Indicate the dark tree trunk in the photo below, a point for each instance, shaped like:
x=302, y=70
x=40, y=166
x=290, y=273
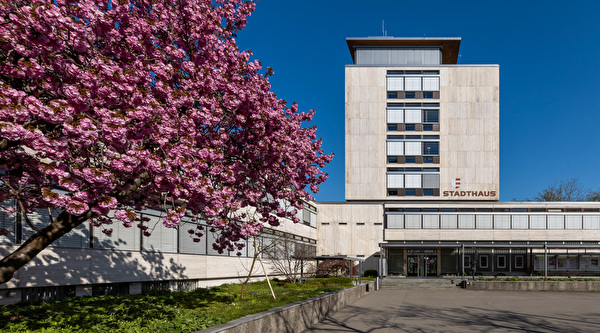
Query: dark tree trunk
x=63, y=223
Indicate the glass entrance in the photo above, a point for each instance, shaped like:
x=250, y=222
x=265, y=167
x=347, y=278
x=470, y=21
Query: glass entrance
x=422, y=265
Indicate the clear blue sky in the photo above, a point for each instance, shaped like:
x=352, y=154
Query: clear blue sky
x=549, y=57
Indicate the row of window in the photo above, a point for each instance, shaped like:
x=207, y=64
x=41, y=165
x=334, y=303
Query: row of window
x=413, y=116
x=413, y=95
x=413, y=192
x=518, y=261
x=413, y=148
x=413, y=160
x=413, y=181
x=413, y=83
x=492, y=221
x=413, y=127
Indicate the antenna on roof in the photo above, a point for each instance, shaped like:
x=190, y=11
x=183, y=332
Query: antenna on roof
x=383, y=31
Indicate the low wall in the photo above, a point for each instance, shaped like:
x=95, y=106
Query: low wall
x=297, y=316
x=535, y=285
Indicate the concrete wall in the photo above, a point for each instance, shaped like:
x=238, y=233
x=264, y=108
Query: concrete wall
x=469, y=132
x=359, y=236
x=294, y=317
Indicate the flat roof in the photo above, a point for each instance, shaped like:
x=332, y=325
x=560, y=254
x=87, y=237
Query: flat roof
x=450, y=45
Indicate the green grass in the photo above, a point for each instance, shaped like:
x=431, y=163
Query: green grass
x=159, y=311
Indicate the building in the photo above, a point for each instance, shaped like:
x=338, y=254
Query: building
x=422, y=173
x=422, y=190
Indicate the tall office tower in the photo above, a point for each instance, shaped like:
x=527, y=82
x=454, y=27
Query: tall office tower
x=419, y=126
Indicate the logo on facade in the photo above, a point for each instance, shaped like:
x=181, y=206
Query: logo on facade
x=456, y=182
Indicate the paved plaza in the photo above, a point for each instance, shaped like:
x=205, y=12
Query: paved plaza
x=460, y=310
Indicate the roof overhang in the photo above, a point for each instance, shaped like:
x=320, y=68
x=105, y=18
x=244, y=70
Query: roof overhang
x=450, y=45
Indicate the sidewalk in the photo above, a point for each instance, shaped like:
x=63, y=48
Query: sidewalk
x=467, y=311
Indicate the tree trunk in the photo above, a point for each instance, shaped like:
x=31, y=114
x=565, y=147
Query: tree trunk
x=63, y=223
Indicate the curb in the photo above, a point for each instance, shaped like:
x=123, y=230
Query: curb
x=294, y=317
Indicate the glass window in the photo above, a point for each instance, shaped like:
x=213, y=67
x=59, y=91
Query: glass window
x=395, y=181
x=431, y=116
x=412, y=181
x=392, y=192
x=501, y=221
x=426, y=94
x=410, y=193
x=410, y=160
x=431, y=221
x=412, y=221
x=556, y=222
x=392, y=127
x=395, y=83
x=427, y=128
x=427, y=159
x=395, y=148
x=466, y=221
x=393, y=94
x=392, y=159
x=431, y=148
x=395, y=116
x=449, y=221
x=431, y=83
x=412, y=83
x=409, y=127
x=427, y=192
x=484, y=221
x=537, y=221
x=412, y=116
x=483, y=261
x=431, y=181
x=409, y=94
x=412, y=148
x=395, y=221
x=520, y=222
x=501, y=261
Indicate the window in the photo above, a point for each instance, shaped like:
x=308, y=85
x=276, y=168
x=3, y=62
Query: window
x=519, y=262
x=431, y=181
x=409, y=127
x=412, y=83
x=431, y=83
x=409, y=94
x=393, y=94
x=395, y=116
x=395, y=221
x=501, y=261
x=410, y=160
x=413, y=116
x=431, y=148
x=395, y=148
x=426, y=94
x=431, y=116
x=427, y=159
x=427, y=192
x=426, y=128
x=395, y=181
x=410, y=193
x=412, y=181
x=412, y=148
x=483, y=261
x=392, y=159
x=392, y=193
x=395, y=83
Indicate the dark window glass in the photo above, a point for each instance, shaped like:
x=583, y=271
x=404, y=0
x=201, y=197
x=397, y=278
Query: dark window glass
x=410, y=193
x=409, y=94
x=392, y=159
x=413, y=72
x=413, y=209
x=393, y=192
x=395, y=105
x=413, y=169
x=431, y=105
x=426, y=94
x=393, y=94
x=430, y=72
x=431, y=116
x=395, y=169
x=427, y=192
x=398, y=72
x=431, y=169
x=409, y=127
x=409, y=159
x=429, y=209
x=427, y=127
x=418, y=137
x=427, y=159
x=413, y=105
x=397, y=137
x=448, y=209
x=392, y=127
x=431, y=136
x=431, y=148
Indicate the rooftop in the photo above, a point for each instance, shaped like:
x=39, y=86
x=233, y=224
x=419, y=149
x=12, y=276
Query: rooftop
x=450, y=45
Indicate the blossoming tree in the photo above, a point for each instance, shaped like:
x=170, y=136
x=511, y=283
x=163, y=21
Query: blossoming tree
x=120, y=106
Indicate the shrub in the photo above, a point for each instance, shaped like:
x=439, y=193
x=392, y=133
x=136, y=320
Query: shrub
x=370, y=272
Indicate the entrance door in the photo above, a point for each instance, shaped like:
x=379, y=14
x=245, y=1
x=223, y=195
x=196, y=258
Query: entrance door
x=422, y=265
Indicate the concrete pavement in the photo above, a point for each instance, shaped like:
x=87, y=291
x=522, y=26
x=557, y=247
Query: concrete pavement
x=459, y=310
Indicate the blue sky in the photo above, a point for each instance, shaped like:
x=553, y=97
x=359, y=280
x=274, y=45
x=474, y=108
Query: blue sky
x=549, y=57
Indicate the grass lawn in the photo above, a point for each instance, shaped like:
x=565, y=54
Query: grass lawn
x=159, y=311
